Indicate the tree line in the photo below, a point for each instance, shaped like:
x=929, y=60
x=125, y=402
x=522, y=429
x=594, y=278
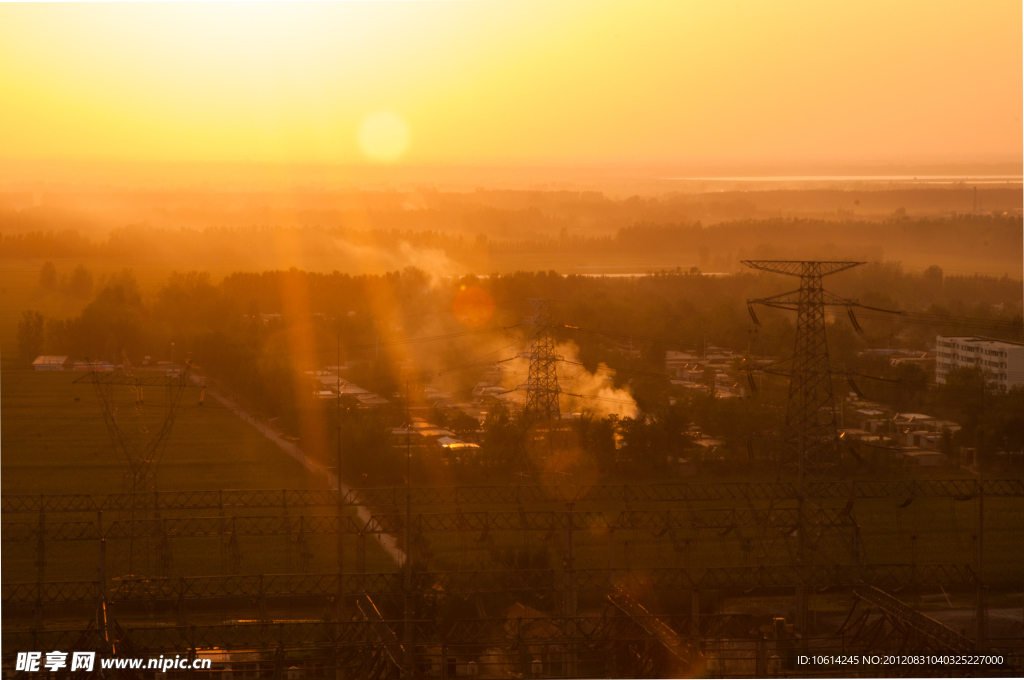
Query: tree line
x=722, y=244
x=257, y=333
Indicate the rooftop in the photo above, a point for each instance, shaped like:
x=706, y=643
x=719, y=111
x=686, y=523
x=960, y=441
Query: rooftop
x=50, y=360
x=980, y=338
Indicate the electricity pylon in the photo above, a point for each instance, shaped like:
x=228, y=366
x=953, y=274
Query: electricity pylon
x=140, y=448
x=542, y=382
x=810, y=432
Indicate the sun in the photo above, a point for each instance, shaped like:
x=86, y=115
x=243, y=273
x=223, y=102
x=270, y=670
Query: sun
x=383, y=136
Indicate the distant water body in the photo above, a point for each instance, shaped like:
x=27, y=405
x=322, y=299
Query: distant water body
x=900, y=179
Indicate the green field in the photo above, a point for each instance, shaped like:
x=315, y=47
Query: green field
x=54, y=441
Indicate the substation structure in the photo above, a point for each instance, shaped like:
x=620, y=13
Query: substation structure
x=466, y=605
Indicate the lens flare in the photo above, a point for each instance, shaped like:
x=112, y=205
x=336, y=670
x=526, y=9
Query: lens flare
x=383, y=137
x=473, y=306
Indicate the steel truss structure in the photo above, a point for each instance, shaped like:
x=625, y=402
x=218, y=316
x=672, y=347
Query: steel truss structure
x=228, y=499
x=467, y=583
x=810, y=431
x=604, y=643
x=141, y=458
x=622, y=641
x=139, y=448
x=783, y=519
x=934, y=632
x=542, y=380
x=625, y=640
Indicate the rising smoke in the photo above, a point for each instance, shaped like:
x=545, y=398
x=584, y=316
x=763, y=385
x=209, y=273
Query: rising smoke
x=582, y=391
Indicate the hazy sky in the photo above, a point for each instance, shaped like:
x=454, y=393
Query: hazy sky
x=493, y=82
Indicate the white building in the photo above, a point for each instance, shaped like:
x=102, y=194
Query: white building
x=49, y=362
x=1001, y=360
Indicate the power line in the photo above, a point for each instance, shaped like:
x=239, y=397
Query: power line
x=396, y=343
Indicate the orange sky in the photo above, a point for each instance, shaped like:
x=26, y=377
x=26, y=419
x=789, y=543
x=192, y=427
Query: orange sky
x=494, y=82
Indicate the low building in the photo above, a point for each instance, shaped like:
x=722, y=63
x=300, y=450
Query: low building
x=1002, y=361
x=422, y=431
x=453, y=445
x=905, y=419
x=682, y=467
x=924, y=439
x=97, y=366
x=51, y=362
x=710, y=444
x=855, y=433
x=923, y=458
x=899, y=356
x=371, y=399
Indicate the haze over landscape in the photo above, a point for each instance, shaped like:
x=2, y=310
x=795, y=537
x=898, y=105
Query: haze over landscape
x=452, y=339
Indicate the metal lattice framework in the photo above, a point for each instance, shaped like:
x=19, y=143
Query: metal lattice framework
x=616, y=643
x=141, y=455
x=252, y=587
x=810, y=432
x=229, y=499
x=139, y=448
x=594, y=631
x=739, y=519
x=542, y=381
x=942, y=636
x=656, y=522
x=687, y=655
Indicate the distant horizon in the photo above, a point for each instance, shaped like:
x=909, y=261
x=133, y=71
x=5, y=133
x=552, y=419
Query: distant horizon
x=83, y=175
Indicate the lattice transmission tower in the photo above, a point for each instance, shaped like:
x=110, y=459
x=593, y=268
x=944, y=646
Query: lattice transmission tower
x=542, y=382
x=139, y=440
x=139, y=447
x=810, y=431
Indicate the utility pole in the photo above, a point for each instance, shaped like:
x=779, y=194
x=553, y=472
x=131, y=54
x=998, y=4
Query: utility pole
x=341, y=613
x=41, y=561
x=801, y=590
x=569, y=585
x=980, y=641
x=407, y=630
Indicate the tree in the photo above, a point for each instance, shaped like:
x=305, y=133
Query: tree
x=30, y=336
x=463, y=425
x=114, y=321
x=709, y=376
x=48, y=276
x=597, y=439
x=80, y=284
x=933, y=274
x=500, y=446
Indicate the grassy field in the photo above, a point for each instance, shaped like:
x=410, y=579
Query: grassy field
x=54, y=441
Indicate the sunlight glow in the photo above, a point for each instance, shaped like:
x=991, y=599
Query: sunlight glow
x=578, y=81
x=383, y=137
